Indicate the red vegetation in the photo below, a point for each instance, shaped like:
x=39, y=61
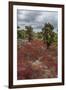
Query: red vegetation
x=35, y=61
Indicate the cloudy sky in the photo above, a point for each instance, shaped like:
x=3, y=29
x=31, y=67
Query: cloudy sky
x=37, y=19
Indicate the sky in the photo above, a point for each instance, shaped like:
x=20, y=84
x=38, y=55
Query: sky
x=37, y=19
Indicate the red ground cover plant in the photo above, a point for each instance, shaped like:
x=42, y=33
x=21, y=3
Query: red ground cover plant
x=35, y=61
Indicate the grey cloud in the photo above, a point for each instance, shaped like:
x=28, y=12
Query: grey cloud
x=36, y=19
